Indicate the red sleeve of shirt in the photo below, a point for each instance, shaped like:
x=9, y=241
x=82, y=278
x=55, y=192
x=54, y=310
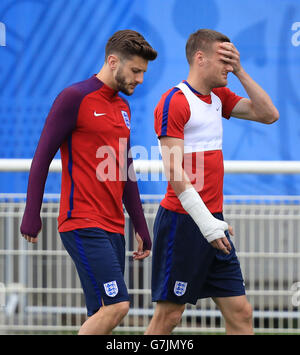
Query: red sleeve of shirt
x=229, y=100
x=171, y=114
x=59, y=124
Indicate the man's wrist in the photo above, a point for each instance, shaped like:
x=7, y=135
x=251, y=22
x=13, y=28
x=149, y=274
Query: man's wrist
x=239, y=73
x=210, y=227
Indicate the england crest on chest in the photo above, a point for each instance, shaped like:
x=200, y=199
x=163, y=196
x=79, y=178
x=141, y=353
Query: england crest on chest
x=126, y=118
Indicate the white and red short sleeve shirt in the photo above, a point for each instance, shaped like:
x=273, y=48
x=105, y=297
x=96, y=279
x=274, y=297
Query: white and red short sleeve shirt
x=184, y=113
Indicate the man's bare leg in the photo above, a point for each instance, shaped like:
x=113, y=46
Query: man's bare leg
x=165, y=318
x=237, y=313
x=105, y=320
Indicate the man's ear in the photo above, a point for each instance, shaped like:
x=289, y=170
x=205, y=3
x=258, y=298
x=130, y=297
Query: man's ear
x=199, y=58
x=112, y=61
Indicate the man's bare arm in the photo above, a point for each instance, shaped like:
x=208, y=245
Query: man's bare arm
x=259, y=107
x=212, y=228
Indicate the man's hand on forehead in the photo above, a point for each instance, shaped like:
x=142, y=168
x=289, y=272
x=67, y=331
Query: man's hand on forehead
x=230, y=55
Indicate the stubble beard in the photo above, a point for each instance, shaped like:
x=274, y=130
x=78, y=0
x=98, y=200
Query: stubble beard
x=122, y=84
x=219, y=83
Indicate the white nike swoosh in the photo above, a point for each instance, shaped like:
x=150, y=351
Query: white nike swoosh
x=98, y=114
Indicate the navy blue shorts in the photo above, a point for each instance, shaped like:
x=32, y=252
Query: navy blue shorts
x=99, y=257
x=185, y=267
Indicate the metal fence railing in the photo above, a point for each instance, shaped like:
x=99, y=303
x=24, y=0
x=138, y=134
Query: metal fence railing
x=40, y=290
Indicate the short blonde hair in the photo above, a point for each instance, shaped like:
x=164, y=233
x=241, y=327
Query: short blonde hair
x=202, y=40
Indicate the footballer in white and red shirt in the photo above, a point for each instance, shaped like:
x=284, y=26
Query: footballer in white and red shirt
x=185, y=266
x=202, y=141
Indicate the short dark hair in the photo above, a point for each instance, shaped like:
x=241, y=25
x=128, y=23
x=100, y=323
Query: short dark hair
x=127, y=43
x=202, y=40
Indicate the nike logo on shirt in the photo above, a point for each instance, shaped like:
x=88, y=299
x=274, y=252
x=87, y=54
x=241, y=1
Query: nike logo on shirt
x=98, y=114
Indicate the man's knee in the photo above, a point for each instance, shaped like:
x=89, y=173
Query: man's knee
x=247, y=312
x=174, y=317
x=170, y=313
x=242, y=313
x=121, y=309
x=116, y=311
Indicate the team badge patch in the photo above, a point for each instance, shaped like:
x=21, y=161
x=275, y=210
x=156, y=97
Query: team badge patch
x=126, y=119
x=111, y=288
x=180, y=288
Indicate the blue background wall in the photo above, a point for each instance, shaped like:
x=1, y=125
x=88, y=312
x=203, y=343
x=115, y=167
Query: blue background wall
x=53, y=43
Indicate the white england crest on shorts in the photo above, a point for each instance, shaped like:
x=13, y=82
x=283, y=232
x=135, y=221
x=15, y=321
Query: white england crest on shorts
x=180, y=288
x=111, y=288
x=126, y=119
